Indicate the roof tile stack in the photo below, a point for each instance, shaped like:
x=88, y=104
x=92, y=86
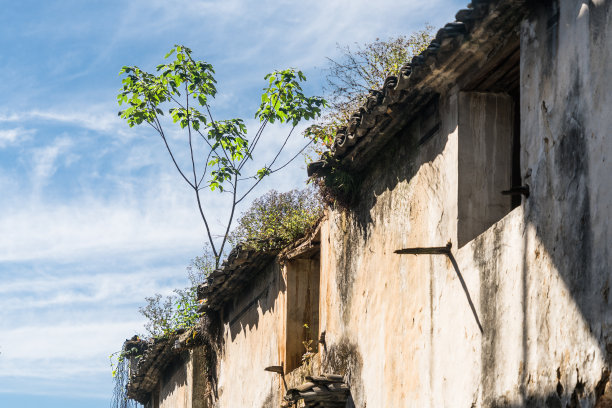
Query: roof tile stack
x=325, y=391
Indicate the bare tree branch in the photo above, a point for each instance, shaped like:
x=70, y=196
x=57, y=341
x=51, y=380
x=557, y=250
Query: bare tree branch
x=275, y=157
x=195, y=180
x=163, y=136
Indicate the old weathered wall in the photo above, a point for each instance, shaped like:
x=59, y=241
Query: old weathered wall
x=202, y=389
x=566, y=103
x=252, y=335
x=377, y=306
x=302, y=309
x=183, y=382
x=402, y=327
x=175, y=389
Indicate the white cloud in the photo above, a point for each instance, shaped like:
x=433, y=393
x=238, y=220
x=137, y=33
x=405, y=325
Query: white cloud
x=14, y=136
x=8, y=136
x=99, y=118
x=155, y=211
x=83, y=229
x=61, y=321
x=64, y=342
x=272, y=34
x=90, y=288
x=61, y=351
x=44, y=160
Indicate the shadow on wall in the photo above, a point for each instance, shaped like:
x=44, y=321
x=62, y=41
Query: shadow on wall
x=174, y=376
x=243, y=313
x=560, y=212
x=560, y=209
x=576, y=398
x=205, y=364
x=270, y=401
x=343, y=358
x=416, y=145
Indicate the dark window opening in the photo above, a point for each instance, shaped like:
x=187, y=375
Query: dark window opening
x=516, y=147
x=489, y=144
x=302, y=324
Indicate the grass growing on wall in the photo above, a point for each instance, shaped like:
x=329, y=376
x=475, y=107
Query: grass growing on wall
x=275, y=219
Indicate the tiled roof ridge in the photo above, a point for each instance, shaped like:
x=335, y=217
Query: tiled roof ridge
x=148, y=367
x=239, y=269
x=156, y=353
x=225, y=282
x=372, y=125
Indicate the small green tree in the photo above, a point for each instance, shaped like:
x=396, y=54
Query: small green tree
x=167, y=314
x=359, y=69
x=277, y=219
x=183, y=88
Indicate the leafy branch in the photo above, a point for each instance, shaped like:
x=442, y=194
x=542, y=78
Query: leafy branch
x=182, y=89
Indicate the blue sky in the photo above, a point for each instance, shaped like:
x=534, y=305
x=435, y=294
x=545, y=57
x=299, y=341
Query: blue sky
x=93, y=217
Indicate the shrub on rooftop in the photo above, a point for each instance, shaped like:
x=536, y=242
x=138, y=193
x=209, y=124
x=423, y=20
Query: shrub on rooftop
x=275, y=219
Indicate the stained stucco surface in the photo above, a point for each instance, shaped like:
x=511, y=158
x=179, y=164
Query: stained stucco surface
x=401, y=326
x=252, y=334
x=177, y=383
x=520, y=315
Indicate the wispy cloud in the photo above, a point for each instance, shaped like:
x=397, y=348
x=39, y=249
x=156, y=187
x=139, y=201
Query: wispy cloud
x=84, y=228
x=102, y=118
x=147, y=207
x=14, y=136
x=60, y=321
x=63, y=342
x=91, y=288
x=45, y=160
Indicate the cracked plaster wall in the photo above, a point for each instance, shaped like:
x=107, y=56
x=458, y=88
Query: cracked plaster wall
x=400, y=327
x=253, y=334
x=176, y=385
x=539, y=278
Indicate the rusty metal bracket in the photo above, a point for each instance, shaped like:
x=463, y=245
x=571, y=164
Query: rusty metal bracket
x=445, y=250
x=515, y=191
x=278, y=370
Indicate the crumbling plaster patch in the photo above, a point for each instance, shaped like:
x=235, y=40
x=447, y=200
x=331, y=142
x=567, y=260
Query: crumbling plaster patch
x=540, y=276
x=176, y=387
x=253, y=342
